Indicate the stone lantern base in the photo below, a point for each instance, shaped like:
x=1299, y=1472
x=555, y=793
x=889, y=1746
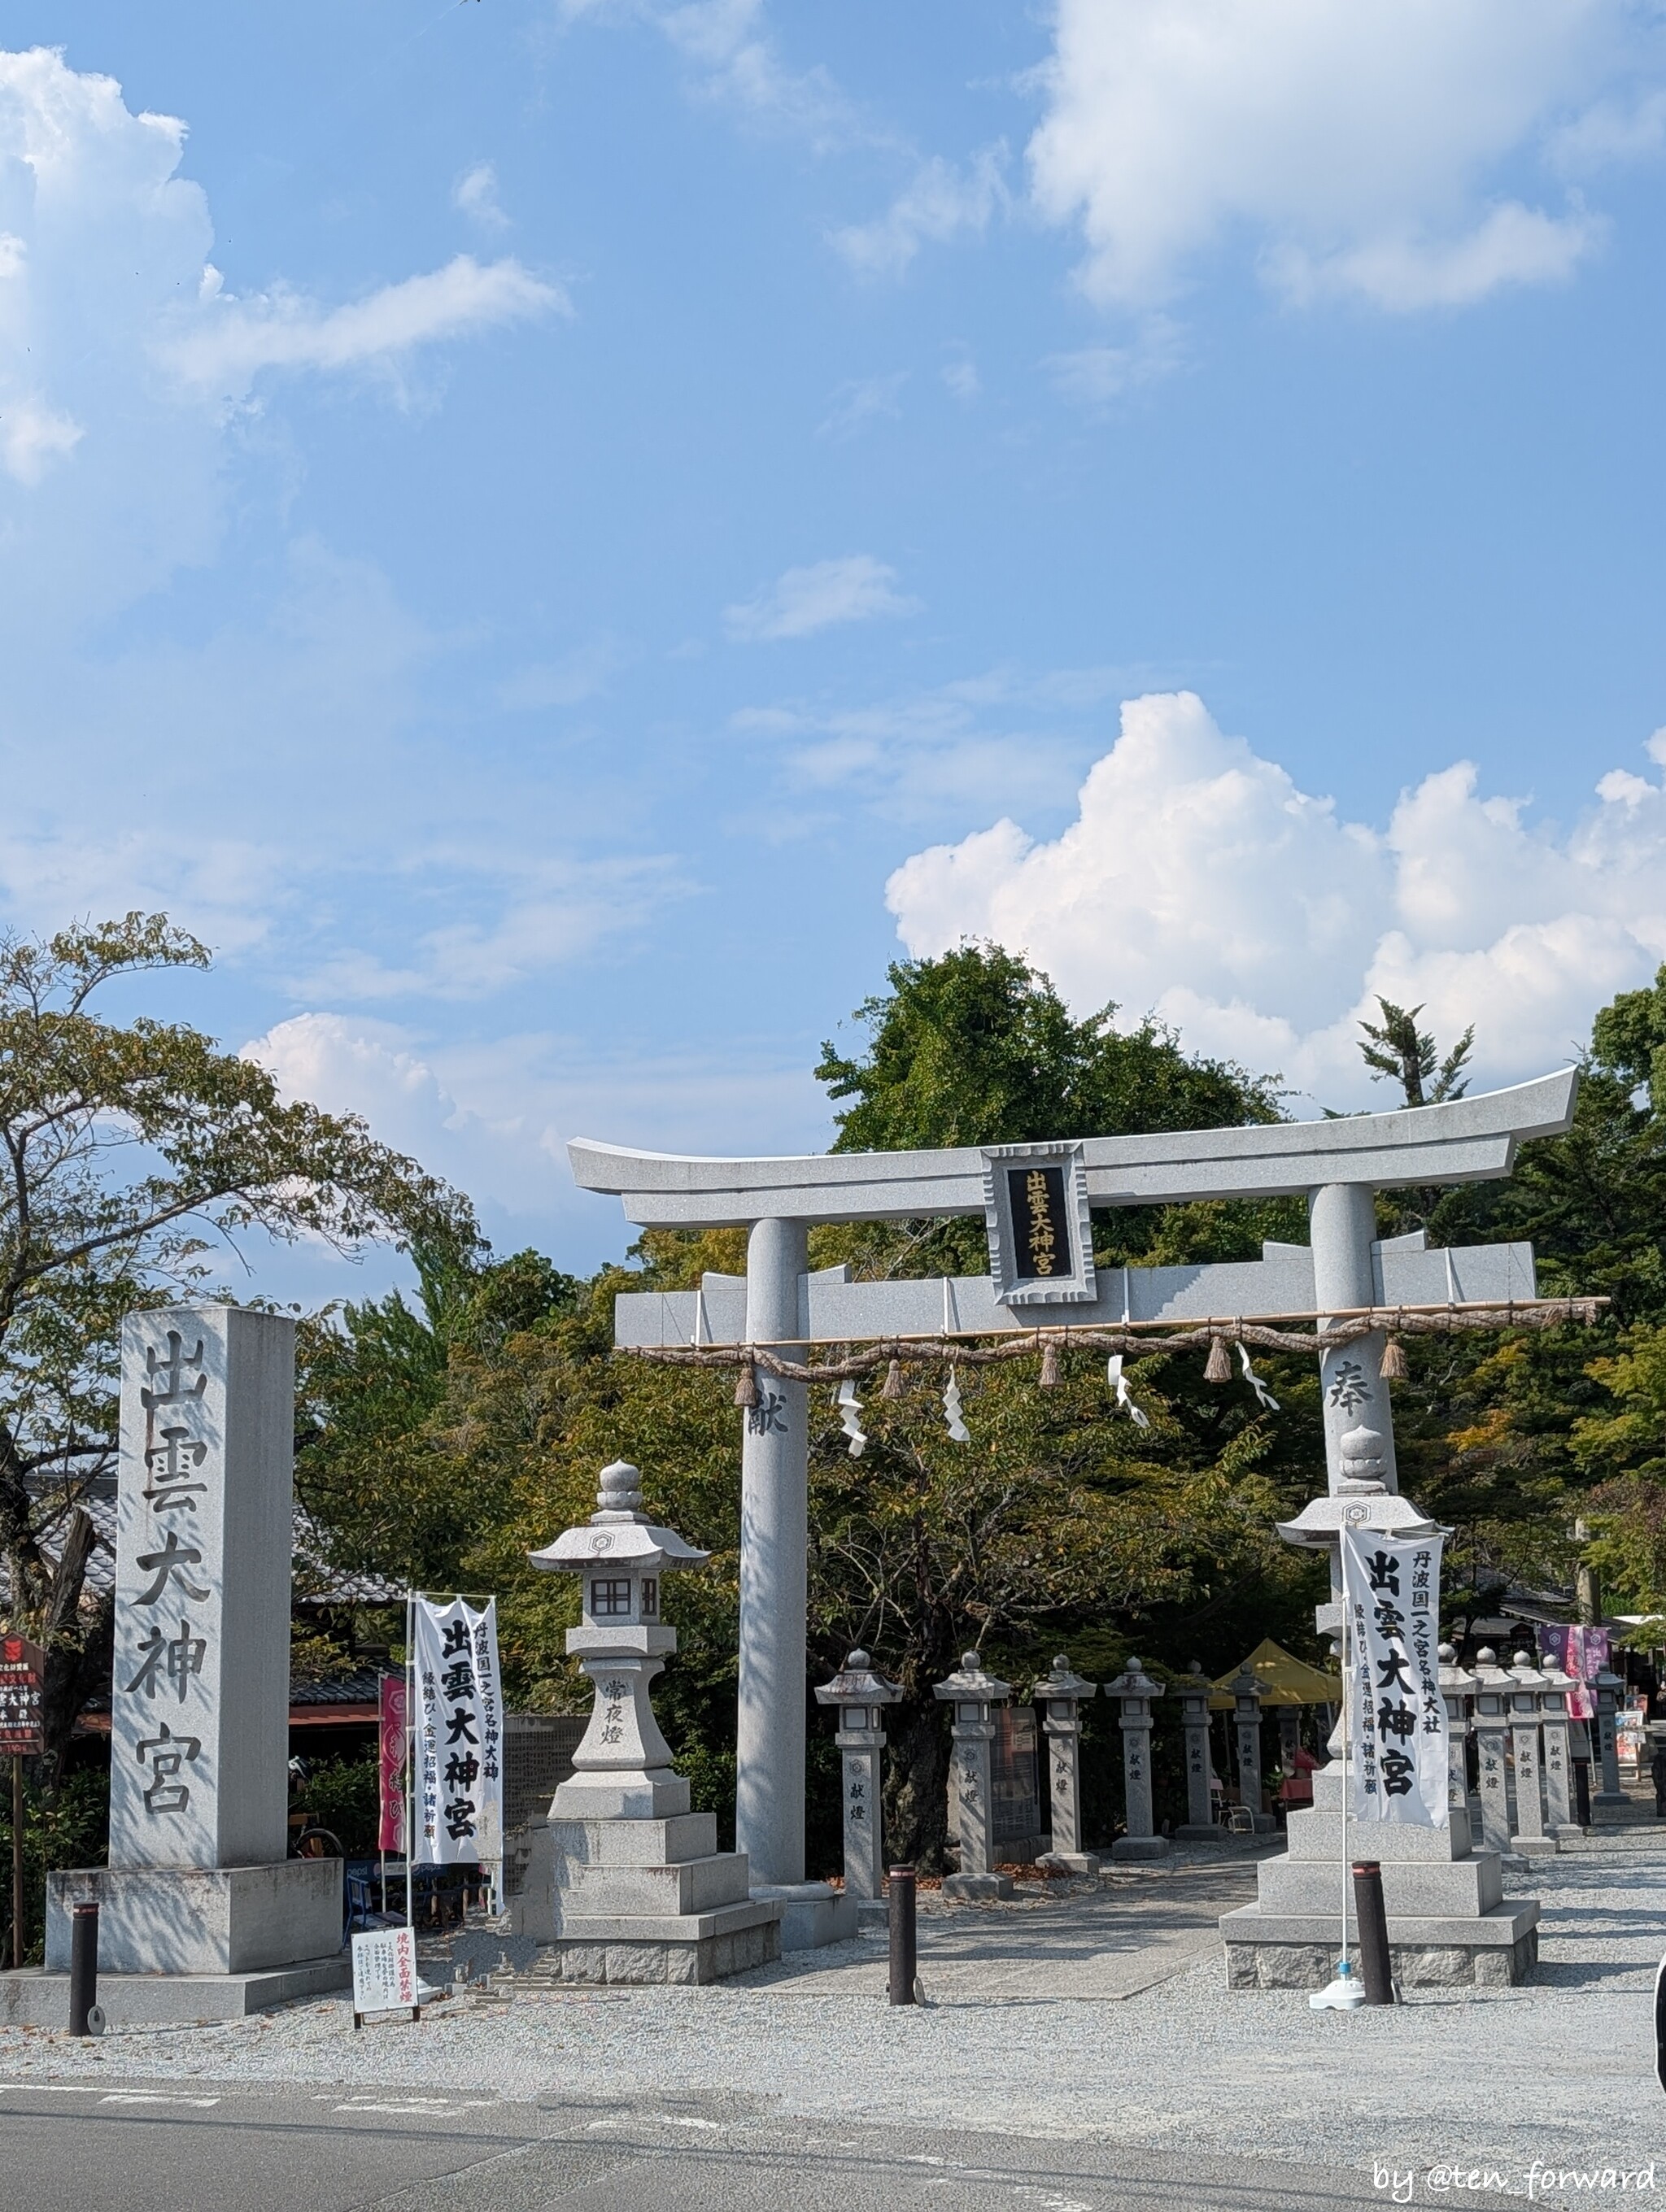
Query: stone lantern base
x=1449, y=1920
x=622, y=1898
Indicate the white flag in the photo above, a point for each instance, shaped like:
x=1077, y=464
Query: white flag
x=1397, y=1715
x=458, y=1734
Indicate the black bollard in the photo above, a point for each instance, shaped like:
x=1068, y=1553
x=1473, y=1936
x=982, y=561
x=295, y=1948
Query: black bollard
x=903, y=1972
x=1373, y=1925
x=83, y=1967
x=1582, y=1792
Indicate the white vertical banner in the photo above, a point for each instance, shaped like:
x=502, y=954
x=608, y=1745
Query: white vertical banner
x=1397, y=1715
x=458, y=1728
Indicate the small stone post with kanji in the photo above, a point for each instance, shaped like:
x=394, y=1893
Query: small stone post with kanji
x=1135, y=1689
x=1526, y=1683
x=974, y=1695
x=1455, y=1688
x=1245, y=1687
x=1555, y=1728
x=1493, y=1688
x=1193, y=1690
x=862, y=1696
x=1059, y=1695
x=1607, y=1688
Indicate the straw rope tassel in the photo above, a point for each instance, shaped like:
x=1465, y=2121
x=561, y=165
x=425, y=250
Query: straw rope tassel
x=745, y=1388
x=1050, y=1366
x=1220, y=1369
x=1392, y=1365
x=893, y=1386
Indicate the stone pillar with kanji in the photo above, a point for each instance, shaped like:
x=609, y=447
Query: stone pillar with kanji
x=1526, y=1683
x=1135, y=1689
x=1246, y=1687
x=1493, y=1687
x=1194, y=1691
x=860, y=1696
x=1606, y=1689
x=1059, y=1695
x=974, y=1696
x=1555, y=1730
x=1457, y=1686
x=198, y=1881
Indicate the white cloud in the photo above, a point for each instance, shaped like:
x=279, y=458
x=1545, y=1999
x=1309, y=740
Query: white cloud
x=576, y=677
x=733, y=59
x=475, y=195
x=235, y=339
x=939, y=203
x=1199, y=881
x=961, y=376
x=866, y=399
x=119, y=346
x=1356, y=144
x=803, y=600
x=1094, y=376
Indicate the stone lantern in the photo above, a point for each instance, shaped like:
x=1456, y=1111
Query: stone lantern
x=1455, y=1688
x=1245, y=1688
x=974, y=1695
x=1135, y=1689
x=1193, y=1690
x=1059, y=1695
x=1556, y=1727
x=624, y=1879
x=861, y=1697
x=1605, y=1691
x=1493, y=1687
x=1526, y=1683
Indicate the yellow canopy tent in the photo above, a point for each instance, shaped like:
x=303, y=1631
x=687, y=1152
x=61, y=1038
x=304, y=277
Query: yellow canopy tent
x=1285, y=1681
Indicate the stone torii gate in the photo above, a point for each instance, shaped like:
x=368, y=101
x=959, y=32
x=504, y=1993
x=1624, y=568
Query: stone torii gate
x=1035, y=1201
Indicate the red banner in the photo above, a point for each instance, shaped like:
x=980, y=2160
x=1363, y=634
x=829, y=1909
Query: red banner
x=393, y=1716
x=22, y=1666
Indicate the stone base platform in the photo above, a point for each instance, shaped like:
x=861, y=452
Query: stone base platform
x=1140, y=1847
x=172, y=1921
x=684, y=1949
x=975, y=1886
x=37, y=1998
x=1298, y=1951
x=812, y=1914
x=1057, y=1865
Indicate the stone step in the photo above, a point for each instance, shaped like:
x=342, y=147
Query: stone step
x=666, y=1928
x=1469, y=1886
x=693, y=1886
x=638, y=1843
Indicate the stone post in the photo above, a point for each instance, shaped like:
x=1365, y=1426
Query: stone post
x=198, y=1881
x=1135, y=1689
x=1193, y=1693
x=973, y=1694
x=1606, y=1690
x=1342, y=1225
x=1059, y=1695
x=1491, y=1724
x=1559, y=1756
x=1245, y=1687
x=1455, y=1688
x=1526, y=1683
x=861, y=1697
x=769, y=1729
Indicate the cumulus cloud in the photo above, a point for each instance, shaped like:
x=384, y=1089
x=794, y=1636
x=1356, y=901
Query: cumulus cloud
x=940, y=203
x=1198, y=881
x=804, y=600
x=1357, y=145
x=119, y=346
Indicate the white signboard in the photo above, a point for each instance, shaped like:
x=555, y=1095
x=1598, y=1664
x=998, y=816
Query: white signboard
x=459, y=1717
x=1397, y=1715
x=384, y=1970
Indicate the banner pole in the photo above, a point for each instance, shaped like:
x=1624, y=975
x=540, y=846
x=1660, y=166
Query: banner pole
x=1348, y=1694
x=411, y=1757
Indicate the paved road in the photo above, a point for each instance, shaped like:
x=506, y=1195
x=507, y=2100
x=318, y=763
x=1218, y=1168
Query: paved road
x=204, y=2147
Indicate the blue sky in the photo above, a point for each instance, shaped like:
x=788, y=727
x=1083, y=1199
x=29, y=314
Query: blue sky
x=561, y=539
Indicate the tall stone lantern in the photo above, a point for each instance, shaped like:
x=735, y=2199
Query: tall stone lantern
x=1193, y=1690
x=1556, y=1728
x=1245, y=1687
x=975, y=1696
x=861, y=1697
x=624, y=1879
x=1457, y=1684
x=1607, y=1688
x=1526, y=1683
x=1493, y=1687
x=1059, y=1695
x=1134, y=1689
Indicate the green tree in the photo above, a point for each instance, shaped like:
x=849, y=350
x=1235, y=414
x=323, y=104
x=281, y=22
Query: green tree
x=1396, y=1048
x=135, y=1157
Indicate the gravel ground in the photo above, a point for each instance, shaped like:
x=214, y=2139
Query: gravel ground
x=1562, y=2071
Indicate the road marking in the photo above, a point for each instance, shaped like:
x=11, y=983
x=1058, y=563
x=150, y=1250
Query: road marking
x=154, y=2097
x=416, y=2105
x=679, y=2120
x=58, y=2088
